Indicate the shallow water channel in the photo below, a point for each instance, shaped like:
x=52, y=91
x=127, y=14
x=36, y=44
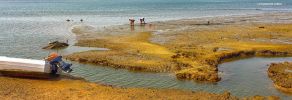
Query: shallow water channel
x=246, y=77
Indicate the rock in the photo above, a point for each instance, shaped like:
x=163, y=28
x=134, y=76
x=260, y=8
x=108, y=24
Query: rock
x=56, y=45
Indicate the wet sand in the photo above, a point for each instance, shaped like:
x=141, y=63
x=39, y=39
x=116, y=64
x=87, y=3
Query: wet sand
x=190, y=48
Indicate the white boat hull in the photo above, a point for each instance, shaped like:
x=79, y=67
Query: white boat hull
x=28, y=65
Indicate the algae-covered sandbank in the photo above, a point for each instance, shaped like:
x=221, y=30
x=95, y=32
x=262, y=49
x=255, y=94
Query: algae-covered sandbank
x=190, y=48
x=281, y=74
x=67, y=88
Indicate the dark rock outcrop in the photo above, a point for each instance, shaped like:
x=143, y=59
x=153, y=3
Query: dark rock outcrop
x=56, y=45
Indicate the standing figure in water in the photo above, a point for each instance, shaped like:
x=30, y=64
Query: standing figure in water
x=142, y=21
x=132, y=21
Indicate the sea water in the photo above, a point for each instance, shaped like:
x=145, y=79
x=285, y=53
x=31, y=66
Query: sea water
x=112, y=12
x=28, y=24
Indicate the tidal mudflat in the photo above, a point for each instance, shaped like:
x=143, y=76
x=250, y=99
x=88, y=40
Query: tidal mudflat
x=176, y=55
x=191, y=49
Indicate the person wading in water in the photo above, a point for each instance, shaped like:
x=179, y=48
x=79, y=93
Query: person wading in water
x=132, y=21
x=142, y=21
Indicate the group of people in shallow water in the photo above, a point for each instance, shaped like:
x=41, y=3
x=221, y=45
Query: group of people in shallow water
x=132, y=21
x=68, y=20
